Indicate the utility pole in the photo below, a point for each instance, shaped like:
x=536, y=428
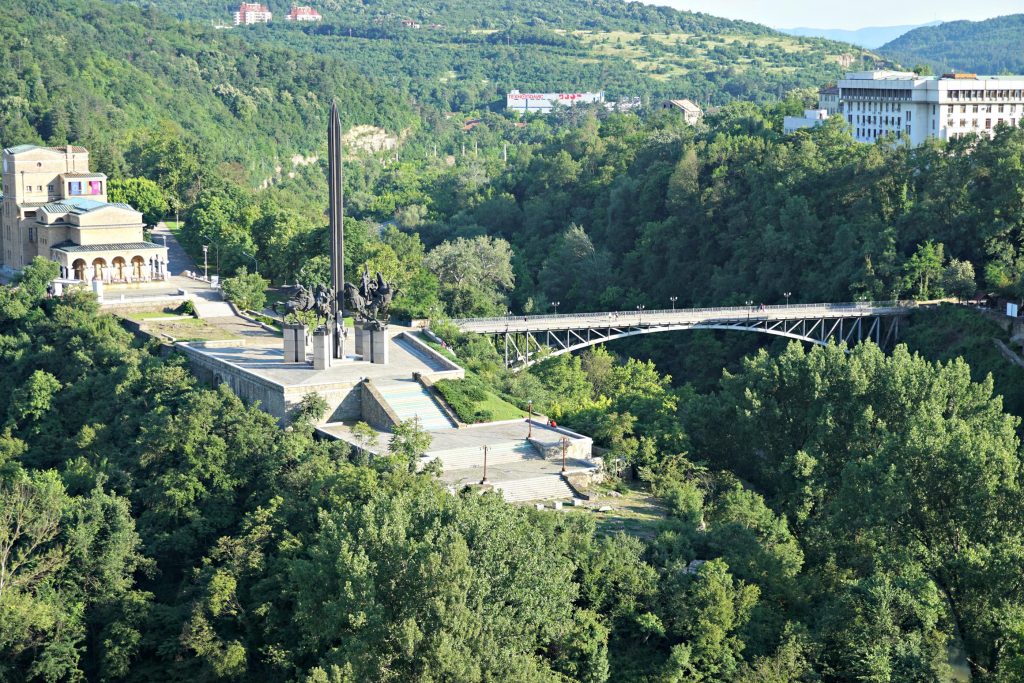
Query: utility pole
x=484, y=480
x=206, y=266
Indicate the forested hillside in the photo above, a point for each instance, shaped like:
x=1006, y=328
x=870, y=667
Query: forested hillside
x=989, y=47
x=123, y=81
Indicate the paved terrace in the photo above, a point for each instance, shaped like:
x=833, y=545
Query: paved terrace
x=264, y=358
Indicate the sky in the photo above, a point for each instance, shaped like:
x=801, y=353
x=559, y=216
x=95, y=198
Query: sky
x=825, y=14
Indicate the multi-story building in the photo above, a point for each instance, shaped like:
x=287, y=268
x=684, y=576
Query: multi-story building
x=828, y=99
x=915, y=108
x=54, y=207
x=252, y=13
x=543, y=103
x=303, y=13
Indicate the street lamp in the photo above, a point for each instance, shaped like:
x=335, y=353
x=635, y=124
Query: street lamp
x=529, y=421
x=206, y=265
x=484, y=480
x=750, y=308
x=255, y=262
x=787, y=295
x=673, y=299
x=555, y=304
x=565, y=445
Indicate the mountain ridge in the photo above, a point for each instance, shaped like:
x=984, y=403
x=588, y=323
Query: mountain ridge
x=992, y=46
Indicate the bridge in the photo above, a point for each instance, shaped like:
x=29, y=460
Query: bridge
x=522, y=338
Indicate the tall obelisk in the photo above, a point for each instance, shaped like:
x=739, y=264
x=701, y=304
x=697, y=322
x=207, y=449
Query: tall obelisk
x=337, y=216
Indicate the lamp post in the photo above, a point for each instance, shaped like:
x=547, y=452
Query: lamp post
x=555, y=304
x=484, y=480
x=255, y=262
x=529, y=421
x=673, y=299
x=565, y=445
x=787, y=295
x=640, y=314
x=750, y=307
x=206, y=265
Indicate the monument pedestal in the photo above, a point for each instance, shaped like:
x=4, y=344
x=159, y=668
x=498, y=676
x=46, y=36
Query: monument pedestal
x=322, y=349
x=379, y=346
x=294, y=343
x=372, y=344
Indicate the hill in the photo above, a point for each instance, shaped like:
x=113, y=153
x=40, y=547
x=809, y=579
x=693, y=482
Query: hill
x=871, y=37
x=984, y=47
x=107, y=76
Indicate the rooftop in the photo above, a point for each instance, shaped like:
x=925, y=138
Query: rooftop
x=19, y=149
x=80, y=206
x=86, y=174
x=71, y=247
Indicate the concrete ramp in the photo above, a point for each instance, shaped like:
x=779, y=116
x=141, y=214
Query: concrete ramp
x=210, y=304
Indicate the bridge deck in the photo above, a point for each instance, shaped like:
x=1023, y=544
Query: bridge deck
x=681, y=317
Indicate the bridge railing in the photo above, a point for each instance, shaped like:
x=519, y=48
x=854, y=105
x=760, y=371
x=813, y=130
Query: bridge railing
x=684, y=312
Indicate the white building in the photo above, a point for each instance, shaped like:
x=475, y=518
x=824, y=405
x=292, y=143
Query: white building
x=252, y=13
x=828, y=99
x=543, y=103
x=914, y=108
x=303, y=13
x=691, y=111
x=810, y=119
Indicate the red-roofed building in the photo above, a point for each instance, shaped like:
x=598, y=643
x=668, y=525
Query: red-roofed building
x=303, y=13
x=252, y=13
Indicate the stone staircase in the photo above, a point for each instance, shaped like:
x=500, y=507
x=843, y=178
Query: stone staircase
x=473, y=456
x=543, y=487
x=409, y=399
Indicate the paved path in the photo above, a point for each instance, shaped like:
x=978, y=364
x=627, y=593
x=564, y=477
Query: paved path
x=178, y=259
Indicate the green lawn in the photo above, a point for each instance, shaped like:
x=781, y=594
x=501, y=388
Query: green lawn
x=474, y=402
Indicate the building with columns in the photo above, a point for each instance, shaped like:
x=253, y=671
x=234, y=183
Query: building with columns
x=54, y=207
x=915, y=108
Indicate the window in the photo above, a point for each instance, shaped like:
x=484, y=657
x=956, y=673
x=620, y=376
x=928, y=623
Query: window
x=49, y=188
x=95, y=187
x=949, y=109
x=75, y=188
x=1001, y=107
x=988, y=123
x=908, y=116
x=975, y=109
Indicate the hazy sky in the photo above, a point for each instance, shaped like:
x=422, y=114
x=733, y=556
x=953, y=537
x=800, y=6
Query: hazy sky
x=825, y=14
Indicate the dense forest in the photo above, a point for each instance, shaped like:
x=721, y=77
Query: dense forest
x=989, y=47
x=831, y=517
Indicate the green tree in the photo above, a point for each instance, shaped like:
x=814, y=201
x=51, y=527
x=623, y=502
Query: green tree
x=245, y=290
x=142, y=194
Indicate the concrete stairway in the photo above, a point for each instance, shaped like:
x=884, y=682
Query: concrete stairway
x=544, y=487
x=473, y=456
x=408, y=399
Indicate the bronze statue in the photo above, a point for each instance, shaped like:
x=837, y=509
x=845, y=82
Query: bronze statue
x=319, y=301
x=300, y=299
x=371, y=301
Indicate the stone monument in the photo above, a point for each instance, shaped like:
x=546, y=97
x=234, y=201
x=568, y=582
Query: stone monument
x=336, y=188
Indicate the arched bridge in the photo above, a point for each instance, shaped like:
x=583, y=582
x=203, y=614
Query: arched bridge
x=521, y=338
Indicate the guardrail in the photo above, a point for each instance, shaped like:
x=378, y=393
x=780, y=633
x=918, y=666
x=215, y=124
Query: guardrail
x=686, y=312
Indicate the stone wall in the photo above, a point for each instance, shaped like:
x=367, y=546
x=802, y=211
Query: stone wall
x=344, y=401
x=375, y=410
